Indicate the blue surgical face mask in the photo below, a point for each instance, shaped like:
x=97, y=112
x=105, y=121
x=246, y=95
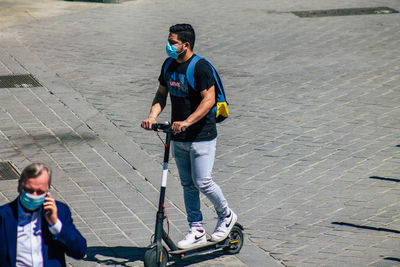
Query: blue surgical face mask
x=171, y=51
x=30, y=201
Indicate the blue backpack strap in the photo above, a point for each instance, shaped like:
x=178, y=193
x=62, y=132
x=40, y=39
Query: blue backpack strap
x=221, y=106
x=190, y=77
x=166, y=66
x=190, y=71
x=220, y=90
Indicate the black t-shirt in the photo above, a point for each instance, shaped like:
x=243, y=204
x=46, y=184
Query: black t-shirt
x=185, y=99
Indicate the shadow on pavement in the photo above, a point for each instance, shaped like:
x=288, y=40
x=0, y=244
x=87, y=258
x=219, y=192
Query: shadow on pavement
x=115, y=256
x=48, y=138
x=385, y=179
x=367, y=227
x=122, y=256
x=189, y=260
x=392, y=259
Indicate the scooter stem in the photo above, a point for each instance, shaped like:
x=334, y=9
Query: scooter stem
x=159, y=230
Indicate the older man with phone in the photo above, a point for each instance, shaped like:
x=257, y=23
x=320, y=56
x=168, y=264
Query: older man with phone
x=35, y=229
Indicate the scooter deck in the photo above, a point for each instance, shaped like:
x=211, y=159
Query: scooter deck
x=204, y=246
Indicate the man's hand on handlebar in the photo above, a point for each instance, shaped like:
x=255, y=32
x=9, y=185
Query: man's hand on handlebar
x=179, y=126
x=147, y=123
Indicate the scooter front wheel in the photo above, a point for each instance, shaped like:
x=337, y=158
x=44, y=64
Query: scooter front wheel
x=236, y=239
x=151, y=260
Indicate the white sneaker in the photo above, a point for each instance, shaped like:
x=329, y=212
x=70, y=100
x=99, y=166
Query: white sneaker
x=196, y=236
x=224, y=226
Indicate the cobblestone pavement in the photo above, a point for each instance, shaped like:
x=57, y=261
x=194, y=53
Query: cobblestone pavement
x=309, y=158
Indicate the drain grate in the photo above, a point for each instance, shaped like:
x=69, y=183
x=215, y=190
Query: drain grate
x=345, y=12
x=18, y=81
x=8, y=171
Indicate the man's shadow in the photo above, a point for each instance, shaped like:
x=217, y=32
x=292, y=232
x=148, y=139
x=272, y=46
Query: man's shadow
x=122, y=256
x=115, y=256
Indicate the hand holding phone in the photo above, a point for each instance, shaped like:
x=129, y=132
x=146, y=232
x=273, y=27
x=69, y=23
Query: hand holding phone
x=50, y=209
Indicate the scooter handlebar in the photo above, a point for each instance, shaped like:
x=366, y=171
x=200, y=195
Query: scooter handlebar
x=161, y=126
x=164, y=127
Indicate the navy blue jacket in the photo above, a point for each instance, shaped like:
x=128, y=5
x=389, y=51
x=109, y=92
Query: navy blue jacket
x=69, y=241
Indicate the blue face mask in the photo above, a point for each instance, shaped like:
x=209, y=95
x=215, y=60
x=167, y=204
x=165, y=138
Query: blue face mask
x=171, y=51
x=30, y=201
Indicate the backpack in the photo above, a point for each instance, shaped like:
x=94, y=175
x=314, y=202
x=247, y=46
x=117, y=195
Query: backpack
x=221, y=106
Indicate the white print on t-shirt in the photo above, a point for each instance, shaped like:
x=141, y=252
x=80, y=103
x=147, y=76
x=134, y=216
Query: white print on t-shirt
x=177, y=84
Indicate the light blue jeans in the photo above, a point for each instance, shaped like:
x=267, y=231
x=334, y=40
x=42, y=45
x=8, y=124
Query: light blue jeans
x=195, y=161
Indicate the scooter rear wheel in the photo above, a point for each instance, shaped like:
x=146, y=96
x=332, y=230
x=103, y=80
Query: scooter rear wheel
x=236, y=240
x=150, y=257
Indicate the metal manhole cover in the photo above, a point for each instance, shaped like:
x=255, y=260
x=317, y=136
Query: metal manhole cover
x=8, y=171
x=18, y=81
x=345, y=12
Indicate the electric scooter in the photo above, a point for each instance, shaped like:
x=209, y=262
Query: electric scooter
x=157, y=254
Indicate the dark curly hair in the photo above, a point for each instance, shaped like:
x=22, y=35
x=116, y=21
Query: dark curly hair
x=185, y=33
